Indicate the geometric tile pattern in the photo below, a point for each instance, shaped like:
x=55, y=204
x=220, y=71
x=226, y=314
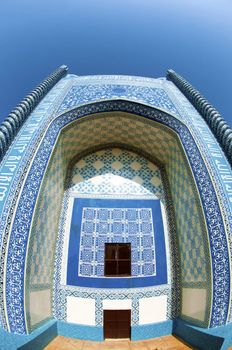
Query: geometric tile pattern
x=80, y=94
x=44, y=226
x=41, y=247
x=189, y=221
x=109, y=171
x=40, y=267
x=114, y=129
x=117, y=225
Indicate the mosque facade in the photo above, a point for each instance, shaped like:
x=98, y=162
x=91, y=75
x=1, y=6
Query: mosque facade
x=115, y=204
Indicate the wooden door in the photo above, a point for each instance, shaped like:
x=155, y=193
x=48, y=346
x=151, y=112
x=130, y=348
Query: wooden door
x=117, y=324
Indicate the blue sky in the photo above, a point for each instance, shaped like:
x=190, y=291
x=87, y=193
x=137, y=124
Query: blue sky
x=135, y=37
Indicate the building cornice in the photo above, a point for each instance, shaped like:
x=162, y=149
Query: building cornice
x=13, y=122
x=220, y=128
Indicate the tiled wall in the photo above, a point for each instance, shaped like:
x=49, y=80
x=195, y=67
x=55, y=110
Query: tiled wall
x=166, y=144
x=154, y=139
x=192, y=238
x=189, y=220
x=41, y=251
x=119, y=174
x=208, y=166
x=139, y=176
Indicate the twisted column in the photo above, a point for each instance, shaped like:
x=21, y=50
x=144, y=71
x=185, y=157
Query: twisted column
x=13, y=122
x=221, y=130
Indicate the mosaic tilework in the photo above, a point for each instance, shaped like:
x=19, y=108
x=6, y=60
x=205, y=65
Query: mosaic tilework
x=223, y=202
x=213, y=156
x=117, y=129
x=105, y=182
x=189, y=155
x=98, y=174
x=190, y=223
x=44, y=226
x=192, y=237
x=16, y=163
x=81, y=94
x=40, y=268
x=101, y=172
x=39, y=273
x=189, y=219
x=120, y=225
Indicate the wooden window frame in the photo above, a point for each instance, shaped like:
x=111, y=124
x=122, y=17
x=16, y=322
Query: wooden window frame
x=118, y=263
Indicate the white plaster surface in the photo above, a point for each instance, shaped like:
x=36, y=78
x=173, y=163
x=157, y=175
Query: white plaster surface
x=194, y=303
x=40, y=307
x=117, y=304
x=81, y=311
x=153, y=310
x=166, y=236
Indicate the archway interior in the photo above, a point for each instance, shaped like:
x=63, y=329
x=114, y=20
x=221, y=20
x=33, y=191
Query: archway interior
x=170, y=180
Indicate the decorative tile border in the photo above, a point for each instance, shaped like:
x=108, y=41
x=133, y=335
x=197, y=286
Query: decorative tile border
x=81, y=94
x=99, y=295
x=15, y=165
x=210, y=150
x=213, y=157
x=19, y=155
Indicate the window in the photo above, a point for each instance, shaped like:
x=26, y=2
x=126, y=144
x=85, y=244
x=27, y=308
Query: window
x=117, y=259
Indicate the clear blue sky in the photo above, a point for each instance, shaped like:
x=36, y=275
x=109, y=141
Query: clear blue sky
x=135, y=37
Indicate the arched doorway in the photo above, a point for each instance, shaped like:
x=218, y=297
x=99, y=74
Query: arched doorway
x=160, y=136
